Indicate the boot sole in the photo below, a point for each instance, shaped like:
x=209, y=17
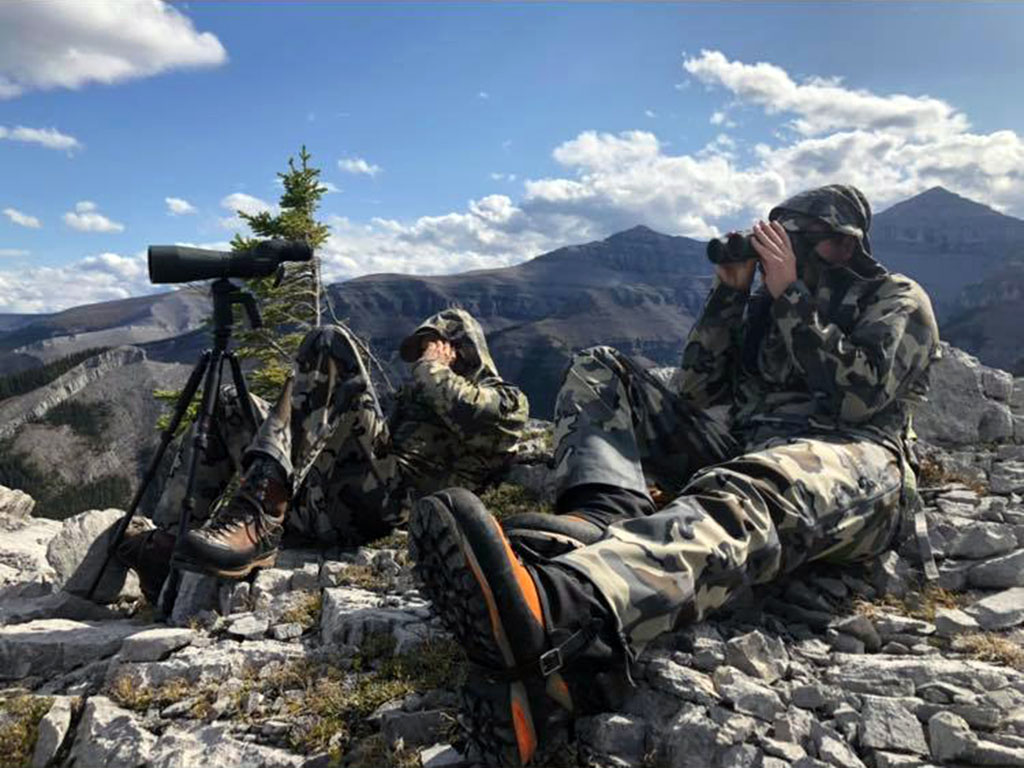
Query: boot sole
x=497, y=716
x=233, y=574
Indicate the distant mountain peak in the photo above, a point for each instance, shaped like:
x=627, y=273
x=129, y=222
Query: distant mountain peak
x=941, y=205
x=640, y=232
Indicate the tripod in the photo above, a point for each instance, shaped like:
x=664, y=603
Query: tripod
x=209, y=371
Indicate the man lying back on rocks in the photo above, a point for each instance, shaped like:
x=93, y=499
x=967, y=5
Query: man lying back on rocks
x=819, y=366
x=325, y=465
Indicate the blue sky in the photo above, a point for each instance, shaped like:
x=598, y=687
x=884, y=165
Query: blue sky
x=466, y=136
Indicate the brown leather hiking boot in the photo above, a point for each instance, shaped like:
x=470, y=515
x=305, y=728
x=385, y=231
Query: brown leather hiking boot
x=245, y=533
x=147, y=550
x=538, y=637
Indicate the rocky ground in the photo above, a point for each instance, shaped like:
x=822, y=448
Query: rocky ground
x=333, y=657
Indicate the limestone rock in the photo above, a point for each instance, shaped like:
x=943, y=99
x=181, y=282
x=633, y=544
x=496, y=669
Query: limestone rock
x=111, y=737
x=999, y=572
x=155, y=644
x=1007, y=477
x=15, y=505
x=886, y=724
x=758, y=655
x=79, y=550
x=746, y=695
x=53, y=729
x=53, y=646
x=679, y=680
x=953, y=621
x=615, y=735
x=216, y=745
x=350, y=615
x=999, y=611
x=950, y=737
x=249, y=627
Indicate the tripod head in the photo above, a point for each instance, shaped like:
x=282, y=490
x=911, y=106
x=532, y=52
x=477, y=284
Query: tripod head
x=225, y=295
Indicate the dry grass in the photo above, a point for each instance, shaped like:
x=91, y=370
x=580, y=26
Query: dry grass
x=991, y=647
x=125, y=691
x=364, y=577
x=19, y=728
x=332, y=710
x=307, y=611
x=921, y=604
x=931, y=474
x=506, y=500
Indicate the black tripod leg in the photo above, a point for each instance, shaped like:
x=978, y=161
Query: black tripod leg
x=180, y=409
x=211, y=389
x=243, y=392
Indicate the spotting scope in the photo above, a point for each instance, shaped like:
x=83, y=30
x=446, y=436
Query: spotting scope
x=180, y=264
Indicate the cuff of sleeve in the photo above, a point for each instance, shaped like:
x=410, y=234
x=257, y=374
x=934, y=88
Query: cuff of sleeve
x=426, y=371
x=725, y=299
x=794, y=302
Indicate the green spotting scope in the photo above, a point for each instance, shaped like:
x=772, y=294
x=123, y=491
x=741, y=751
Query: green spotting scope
x=180, y=264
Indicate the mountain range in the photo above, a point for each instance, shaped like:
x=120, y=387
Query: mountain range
x=637, y=290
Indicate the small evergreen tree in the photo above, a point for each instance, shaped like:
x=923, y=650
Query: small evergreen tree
x=289, y=307
x=292, y=306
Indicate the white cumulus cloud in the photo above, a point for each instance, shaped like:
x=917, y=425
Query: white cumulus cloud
x=22, y=219
x=359, y=166
x=87, y=218
x=13, y=252
x=50, y=138
x=71, y=43
x=248, y=204
x=179, y=207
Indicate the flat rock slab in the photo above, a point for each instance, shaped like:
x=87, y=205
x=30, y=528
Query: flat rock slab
x=976, y=676
x=215, y=745
x=888, y=725
x=218, y=662
x=155, y=644
x=999, y=611
x=53, y=646
x=999, y=572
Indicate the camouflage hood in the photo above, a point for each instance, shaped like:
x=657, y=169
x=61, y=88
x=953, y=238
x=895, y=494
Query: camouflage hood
x=844, y=209
x=462, y=331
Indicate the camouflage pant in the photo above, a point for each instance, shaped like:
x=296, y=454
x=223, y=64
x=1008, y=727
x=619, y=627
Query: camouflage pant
x=740, y=521
x=330, y=437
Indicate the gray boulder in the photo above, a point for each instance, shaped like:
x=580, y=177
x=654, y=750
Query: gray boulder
x=52, y=646
x=79, y=550
x=111, y=737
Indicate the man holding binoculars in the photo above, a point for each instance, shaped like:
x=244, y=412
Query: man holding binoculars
x=819, y=367
x=325, y=465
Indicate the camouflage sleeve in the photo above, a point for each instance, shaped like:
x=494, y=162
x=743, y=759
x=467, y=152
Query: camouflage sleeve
x=859, y=373
x=466, y=407
x=711, y=348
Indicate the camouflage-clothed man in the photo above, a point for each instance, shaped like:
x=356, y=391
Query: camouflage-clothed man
x=819, y=368
x=326, y=465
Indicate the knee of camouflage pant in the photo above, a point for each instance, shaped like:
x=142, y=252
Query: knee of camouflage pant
x=603, y=355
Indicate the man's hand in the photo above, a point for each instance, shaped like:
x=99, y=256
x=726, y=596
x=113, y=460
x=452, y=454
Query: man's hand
x=772, y=244
x=738, y=275
x=441, y=351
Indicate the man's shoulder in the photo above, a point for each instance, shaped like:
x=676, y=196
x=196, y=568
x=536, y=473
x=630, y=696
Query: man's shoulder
x=895, y=286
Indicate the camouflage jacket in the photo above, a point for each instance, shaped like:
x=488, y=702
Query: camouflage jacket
x=849, y=355
x=458, y=425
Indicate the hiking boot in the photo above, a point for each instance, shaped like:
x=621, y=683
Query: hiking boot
x=147, y=550
x=244, y=533
x=530, y=631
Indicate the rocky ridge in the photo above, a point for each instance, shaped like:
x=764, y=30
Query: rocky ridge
x=333, y=656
